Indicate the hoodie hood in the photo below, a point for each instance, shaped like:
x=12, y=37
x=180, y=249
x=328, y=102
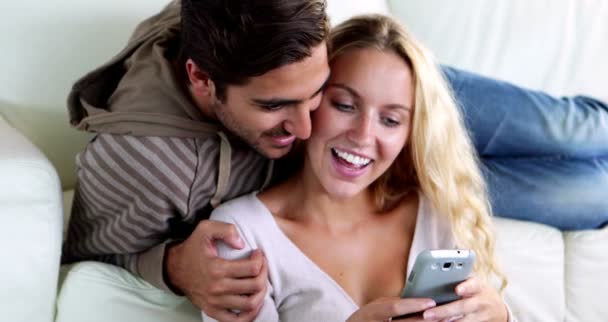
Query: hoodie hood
x=137, y=92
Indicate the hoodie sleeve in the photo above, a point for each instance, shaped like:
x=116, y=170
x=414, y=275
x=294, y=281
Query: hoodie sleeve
x=131, y=200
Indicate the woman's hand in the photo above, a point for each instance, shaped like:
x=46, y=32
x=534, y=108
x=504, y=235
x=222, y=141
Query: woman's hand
x=384, y=309
x=479, y=303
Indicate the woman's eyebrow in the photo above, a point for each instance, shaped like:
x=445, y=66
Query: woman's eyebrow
x=354, y=93
x=399, y=107
x=346, y=88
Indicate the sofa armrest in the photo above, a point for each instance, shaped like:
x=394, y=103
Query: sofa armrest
x=30, y=234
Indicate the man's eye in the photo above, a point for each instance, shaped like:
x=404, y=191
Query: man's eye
x=272, y=107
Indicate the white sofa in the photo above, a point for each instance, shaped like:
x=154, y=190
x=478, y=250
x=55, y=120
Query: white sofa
x=558, y=46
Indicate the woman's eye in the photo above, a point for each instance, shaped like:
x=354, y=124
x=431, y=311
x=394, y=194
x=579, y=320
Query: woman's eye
x=390, y=122
x=342, y=106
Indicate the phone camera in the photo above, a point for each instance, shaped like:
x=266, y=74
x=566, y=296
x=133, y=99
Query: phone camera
x=446, y=266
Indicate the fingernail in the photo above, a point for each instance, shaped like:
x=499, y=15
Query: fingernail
x=239, y=242
x=461, y=289
x=428, y=315
x=429, y=304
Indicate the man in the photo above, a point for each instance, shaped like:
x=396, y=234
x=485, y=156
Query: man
x=188, y=115
x=177, y=113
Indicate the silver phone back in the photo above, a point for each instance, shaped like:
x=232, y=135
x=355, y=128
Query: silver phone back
x=437, y=272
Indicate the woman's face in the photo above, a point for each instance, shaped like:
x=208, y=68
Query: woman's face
x=363, y=121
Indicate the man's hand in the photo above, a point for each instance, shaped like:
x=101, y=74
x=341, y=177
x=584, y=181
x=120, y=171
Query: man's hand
x=217, y=286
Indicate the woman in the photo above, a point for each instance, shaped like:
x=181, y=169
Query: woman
x=388, y=171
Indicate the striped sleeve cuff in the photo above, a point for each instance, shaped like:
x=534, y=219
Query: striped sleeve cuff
x=150, y=266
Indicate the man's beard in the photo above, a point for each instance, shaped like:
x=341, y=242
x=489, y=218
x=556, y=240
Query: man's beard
x=251, y=138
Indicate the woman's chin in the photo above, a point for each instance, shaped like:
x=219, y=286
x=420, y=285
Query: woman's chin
x=343, y=191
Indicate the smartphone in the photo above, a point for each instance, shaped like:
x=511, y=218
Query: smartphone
x=437, y=272
x=435, y=275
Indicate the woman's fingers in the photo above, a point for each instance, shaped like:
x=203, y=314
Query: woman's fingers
x=391, y=307
x=454, y=309
x=479, y=303
x=469, y=288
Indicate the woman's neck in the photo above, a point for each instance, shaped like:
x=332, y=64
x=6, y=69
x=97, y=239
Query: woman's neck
x=302, y=198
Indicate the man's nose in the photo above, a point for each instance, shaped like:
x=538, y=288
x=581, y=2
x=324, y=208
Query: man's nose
x=298, y=123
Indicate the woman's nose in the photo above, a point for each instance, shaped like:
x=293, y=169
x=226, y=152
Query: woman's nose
x=363, y=131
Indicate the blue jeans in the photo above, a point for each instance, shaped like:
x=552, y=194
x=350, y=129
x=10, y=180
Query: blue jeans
x=545, y=159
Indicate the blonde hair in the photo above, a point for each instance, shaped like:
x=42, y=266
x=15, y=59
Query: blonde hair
x=439, y=158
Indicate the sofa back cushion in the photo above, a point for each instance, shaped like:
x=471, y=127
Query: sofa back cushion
x=559, y=46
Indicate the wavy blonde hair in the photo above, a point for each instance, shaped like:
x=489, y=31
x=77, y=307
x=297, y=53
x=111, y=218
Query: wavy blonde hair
x=439, y=158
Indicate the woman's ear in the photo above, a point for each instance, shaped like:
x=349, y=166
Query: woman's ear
x=200, y=83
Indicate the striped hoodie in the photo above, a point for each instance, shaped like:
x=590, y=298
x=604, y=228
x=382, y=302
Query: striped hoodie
x=155, y=167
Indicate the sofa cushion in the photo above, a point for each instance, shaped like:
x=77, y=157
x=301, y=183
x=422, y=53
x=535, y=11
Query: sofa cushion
x=532, y=256
x=98, y=292
x=586, y=279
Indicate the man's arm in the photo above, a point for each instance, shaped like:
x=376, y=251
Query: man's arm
x=132, y=197
x=130, y=191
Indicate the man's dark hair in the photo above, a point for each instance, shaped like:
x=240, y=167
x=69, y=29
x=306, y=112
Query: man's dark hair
x=233, y=40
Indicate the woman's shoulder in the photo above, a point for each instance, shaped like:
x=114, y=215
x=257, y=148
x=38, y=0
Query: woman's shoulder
x=241, y=209
x=427, y=209
x=437, y=226
x=252, y=221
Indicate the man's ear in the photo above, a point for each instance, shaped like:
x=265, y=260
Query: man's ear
x=200, y=82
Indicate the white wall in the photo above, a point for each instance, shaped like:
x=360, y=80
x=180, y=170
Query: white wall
x=46, y=46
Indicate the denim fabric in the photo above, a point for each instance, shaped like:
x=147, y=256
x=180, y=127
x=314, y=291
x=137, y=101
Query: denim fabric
x=545, y=159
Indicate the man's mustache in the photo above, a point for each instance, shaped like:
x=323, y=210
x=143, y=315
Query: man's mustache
x=277, y=132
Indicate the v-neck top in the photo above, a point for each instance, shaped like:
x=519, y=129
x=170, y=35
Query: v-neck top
x=298, y=289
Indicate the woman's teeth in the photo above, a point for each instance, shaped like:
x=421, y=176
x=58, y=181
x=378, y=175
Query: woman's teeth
x=352, y=159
